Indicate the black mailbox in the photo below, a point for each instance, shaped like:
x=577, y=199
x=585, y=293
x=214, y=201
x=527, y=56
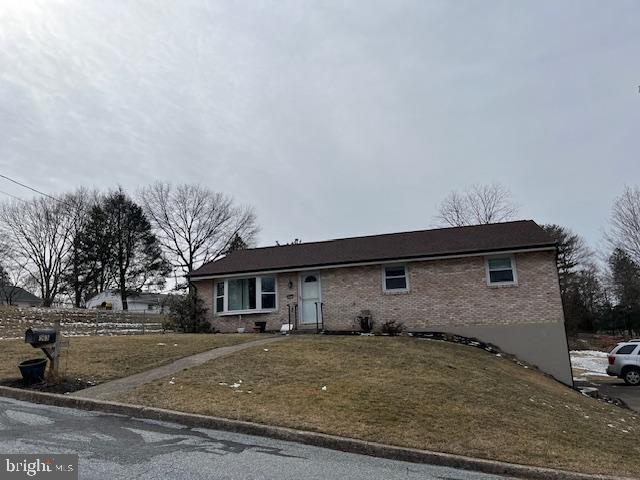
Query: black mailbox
x=40, y=338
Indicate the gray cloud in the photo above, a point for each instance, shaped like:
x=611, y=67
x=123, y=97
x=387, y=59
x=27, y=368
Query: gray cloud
x=332, y=118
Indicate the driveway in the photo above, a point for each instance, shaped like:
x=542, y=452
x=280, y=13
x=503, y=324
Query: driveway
x=113, y=446
x=616, y=388
x=589, y=370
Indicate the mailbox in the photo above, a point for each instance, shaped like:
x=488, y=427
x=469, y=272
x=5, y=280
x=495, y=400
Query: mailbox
x=40, y=338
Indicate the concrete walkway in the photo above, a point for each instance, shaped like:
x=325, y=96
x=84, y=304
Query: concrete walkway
x=109, y=390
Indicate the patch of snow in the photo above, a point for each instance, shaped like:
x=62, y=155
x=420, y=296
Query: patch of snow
x=595, y=363
x=160, y=344
x=324, y=388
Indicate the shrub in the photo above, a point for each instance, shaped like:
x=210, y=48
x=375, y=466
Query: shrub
x=188, y=314
x=391, y=327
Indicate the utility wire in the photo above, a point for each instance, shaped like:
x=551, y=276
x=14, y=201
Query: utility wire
x=32, y=189
x=12, y=196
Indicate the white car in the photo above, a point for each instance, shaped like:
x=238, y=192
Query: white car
x=624, y=362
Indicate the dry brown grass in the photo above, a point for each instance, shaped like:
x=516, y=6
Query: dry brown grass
x=98, y=359
x=599, y=342
x=416, y=393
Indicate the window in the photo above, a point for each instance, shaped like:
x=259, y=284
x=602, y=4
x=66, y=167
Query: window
x=395, y=278
x=245, y=294
x=626, y=349
x=242, y=294
x=220, y=297
x=268, y=292
x=501, y=271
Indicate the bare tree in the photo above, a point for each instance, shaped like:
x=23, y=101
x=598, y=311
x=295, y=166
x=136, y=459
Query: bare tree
x=478, y=204
x=39, y=232
x=624, y=228
x=13, y=277
x=195, y=224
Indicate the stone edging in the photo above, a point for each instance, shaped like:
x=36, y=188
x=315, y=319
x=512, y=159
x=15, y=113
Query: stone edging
x=333, y=442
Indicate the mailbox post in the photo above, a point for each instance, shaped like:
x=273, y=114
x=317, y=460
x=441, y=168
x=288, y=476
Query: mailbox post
x=48, y=340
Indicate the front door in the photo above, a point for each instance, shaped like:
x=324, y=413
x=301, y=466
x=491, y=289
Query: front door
x=309, y=297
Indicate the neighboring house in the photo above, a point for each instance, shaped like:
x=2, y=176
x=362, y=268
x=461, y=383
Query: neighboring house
x=497, y=283
x=19, y=297
x=136, y=302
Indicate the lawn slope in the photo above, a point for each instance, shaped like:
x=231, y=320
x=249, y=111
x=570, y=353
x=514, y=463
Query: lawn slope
x=99, y=359
x=409, y=392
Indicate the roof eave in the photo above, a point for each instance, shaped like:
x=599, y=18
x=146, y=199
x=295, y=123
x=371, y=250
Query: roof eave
x=414, y=258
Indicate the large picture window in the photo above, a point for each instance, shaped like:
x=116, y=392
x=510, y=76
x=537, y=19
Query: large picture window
x=251, y=294
x=501, y=270
x=242, y=294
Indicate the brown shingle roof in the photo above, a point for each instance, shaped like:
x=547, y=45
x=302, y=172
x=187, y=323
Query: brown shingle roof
x=392, y=246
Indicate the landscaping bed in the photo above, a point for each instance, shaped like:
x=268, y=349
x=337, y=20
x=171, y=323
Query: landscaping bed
x=89, y=361
x=409, y=392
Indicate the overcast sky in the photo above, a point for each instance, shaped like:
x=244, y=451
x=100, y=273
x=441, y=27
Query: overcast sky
x=331, y=118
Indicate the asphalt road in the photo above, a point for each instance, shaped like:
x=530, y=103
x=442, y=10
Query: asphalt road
x=118, y=447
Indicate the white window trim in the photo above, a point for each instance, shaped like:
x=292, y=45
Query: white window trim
x=216, y=296
x=514, y=269
x=393, y=291
x=258, y=309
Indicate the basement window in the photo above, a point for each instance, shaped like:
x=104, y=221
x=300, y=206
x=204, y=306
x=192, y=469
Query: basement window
x=501, y=270
x=395, y=278
x=246, y=295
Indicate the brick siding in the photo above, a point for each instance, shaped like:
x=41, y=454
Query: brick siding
x=441, y=292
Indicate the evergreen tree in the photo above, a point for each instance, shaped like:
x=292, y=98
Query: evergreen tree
x=123, y=247
x=237, y=243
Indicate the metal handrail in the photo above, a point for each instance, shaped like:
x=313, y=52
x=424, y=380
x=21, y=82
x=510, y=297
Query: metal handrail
x=321, y=316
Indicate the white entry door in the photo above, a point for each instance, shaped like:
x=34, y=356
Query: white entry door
x=309, y=296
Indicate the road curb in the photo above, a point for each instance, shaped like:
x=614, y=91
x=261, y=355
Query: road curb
x=332, y=442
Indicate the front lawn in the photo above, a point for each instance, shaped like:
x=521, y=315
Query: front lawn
x=409, y=392
x=95, y=360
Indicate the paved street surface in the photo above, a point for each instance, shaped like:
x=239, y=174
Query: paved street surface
x=118, y=447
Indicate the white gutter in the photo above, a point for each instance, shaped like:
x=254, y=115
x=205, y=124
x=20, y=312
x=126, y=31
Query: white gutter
x=361, y=264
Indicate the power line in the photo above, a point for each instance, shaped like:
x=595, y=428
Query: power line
x=12, y=196
x=30, y=188
x=33, y=190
